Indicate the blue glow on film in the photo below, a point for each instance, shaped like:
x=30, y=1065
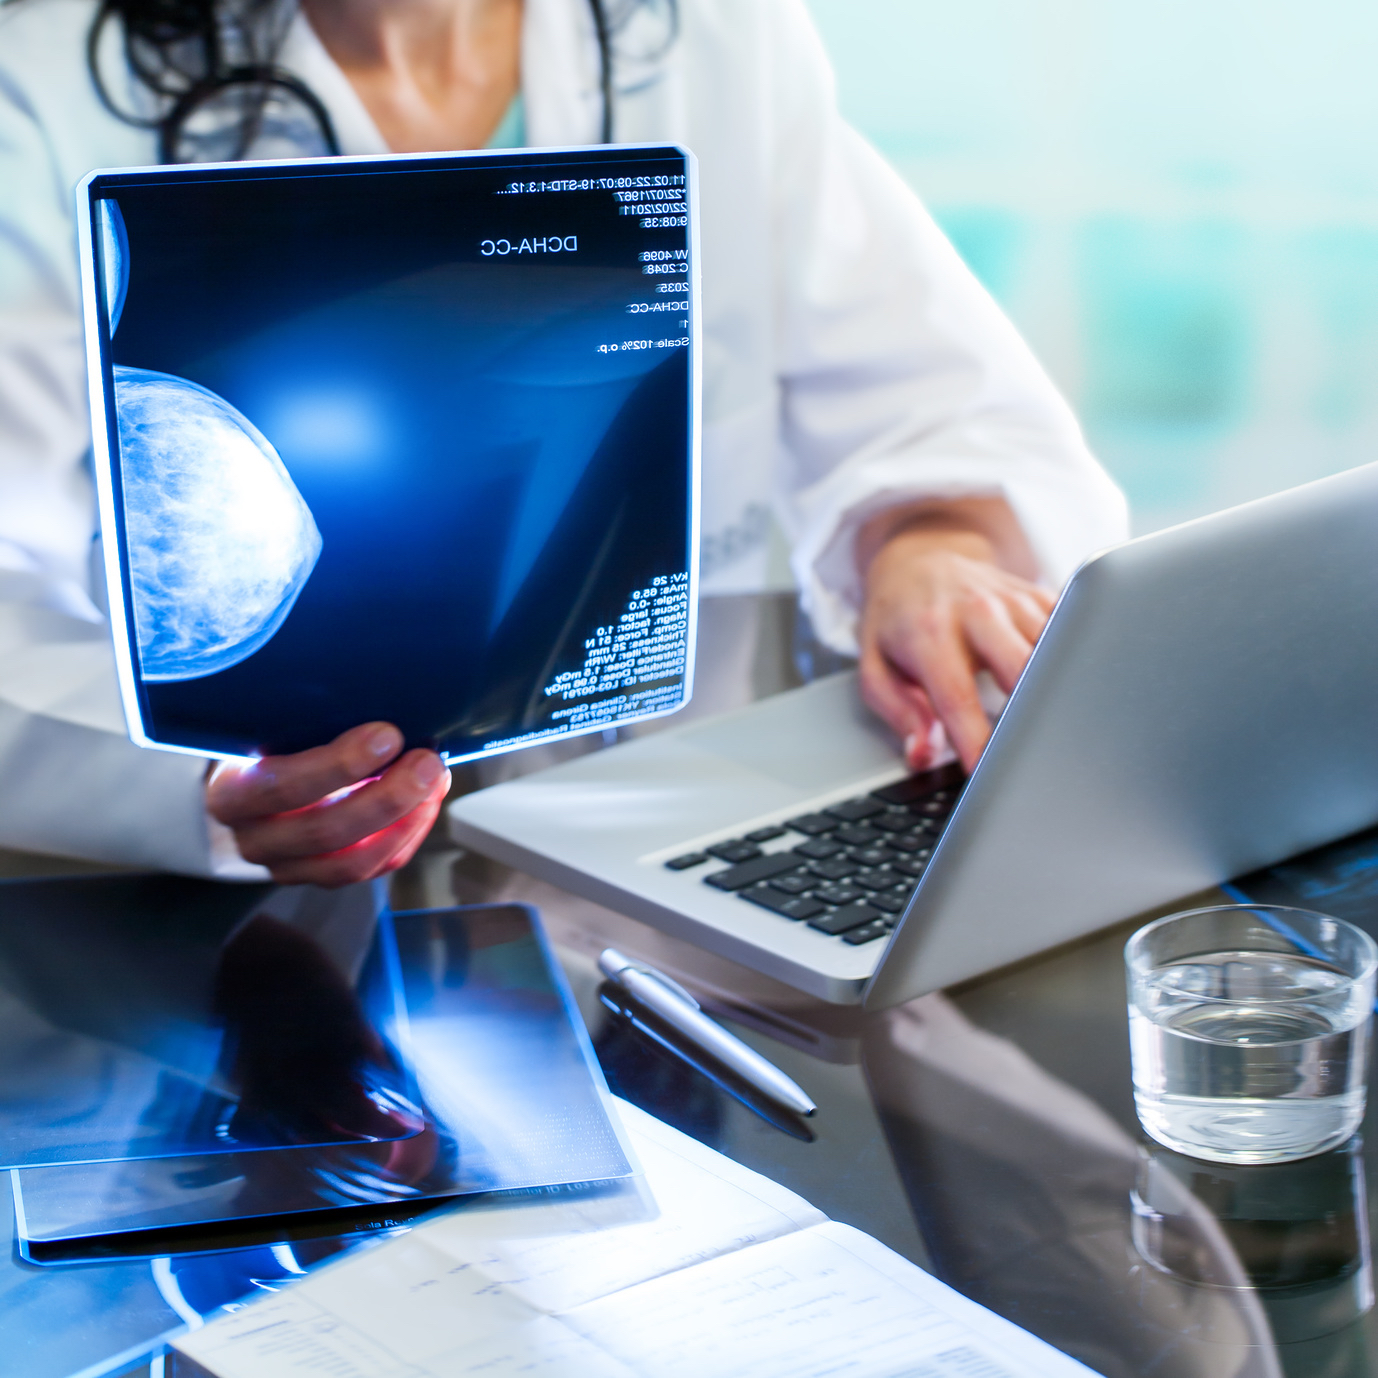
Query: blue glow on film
x=331, y=425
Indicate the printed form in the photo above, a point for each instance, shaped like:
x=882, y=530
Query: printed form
x=723, y=1273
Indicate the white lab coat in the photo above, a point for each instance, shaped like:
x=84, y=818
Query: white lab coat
x=850, y=360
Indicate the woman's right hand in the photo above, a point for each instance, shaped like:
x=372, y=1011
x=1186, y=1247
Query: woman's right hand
x=335, y=814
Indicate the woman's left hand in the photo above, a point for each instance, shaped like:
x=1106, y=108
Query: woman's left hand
x=353, y=809
x=940, y=608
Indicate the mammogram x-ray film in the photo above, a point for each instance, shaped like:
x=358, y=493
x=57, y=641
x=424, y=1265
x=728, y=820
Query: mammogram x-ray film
x=510, y=1096
x=156, y=1016
x=396, y=438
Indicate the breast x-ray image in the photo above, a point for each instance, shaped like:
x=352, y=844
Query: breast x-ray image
x=406, y=438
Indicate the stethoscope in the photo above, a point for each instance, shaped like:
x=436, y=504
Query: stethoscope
x=198, y=94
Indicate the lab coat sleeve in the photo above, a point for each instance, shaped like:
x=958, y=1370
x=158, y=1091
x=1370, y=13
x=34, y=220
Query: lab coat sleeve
x=900, y=378
x=71, y=781
x=73, y=784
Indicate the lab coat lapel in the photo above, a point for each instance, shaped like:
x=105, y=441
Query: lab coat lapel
x=560, y=86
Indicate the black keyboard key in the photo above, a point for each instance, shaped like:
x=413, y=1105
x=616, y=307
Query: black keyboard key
x=890, y=902
x=819, y=848
x=796, y=883
x=736, y=850
x=854, y=810
x=892, y=821
x=857, y=834
x=920, y=786
x=931, y=809
x=790, y=906
x=766, y=834
x=910, y=865
x=840, y=920
x=750, y=872
x=912, y=842
x=838, y=892
x=869, y=856
x=835, y=868
x=877, y=878
x=811, y=823
x=867, y=933
x=683, y=863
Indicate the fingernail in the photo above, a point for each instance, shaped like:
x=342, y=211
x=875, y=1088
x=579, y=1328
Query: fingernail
x=385, y=742
x=918, y=750
x=427, y=770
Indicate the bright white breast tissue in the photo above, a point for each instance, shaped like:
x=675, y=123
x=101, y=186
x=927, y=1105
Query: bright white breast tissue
x=221, y=543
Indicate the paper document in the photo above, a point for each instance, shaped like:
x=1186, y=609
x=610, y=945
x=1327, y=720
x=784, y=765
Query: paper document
x=735, y=1275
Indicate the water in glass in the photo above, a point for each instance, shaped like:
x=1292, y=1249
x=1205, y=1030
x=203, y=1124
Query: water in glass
x=1250, y=1056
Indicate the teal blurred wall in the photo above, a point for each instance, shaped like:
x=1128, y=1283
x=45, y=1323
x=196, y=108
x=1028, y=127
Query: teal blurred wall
x=1176, y=201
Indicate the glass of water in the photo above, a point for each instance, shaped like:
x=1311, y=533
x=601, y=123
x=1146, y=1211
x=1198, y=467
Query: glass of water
x=1249, y=1031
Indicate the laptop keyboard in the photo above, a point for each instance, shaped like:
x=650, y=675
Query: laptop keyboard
x=856, y=866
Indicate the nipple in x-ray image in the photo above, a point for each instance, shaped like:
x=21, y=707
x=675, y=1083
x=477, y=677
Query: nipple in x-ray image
x=407, y=438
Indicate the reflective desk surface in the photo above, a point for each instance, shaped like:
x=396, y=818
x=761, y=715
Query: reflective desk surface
x=987, y=1133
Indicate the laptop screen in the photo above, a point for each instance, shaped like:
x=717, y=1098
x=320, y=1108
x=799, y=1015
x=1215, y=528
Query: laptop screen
x=403, y=438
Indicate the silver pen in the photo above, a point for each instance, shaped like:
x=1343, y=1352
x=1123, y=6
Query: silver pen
x=672, y=1003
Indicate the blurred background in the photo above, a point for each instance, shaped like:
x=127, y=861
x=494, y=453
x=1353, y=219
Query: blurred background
x=1177, y=203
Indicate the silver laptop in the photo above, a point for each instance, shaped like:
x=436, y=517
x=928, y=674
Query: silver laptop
x=1204, y=701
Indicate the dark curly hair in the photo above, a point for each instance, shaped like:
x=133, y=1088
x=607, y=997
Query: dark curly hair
x=192, y=54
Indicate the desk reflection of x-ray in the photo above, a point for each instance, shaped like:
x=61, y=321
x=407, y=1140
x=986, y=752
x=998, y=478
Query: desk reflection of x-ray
x=153, y=1016
x=439, y=1048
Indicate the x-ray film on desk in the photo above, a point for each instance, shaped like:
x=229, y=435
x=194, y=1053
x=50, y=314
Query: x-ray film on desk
x=408, y=439
x=182, y=1056
x=153, y=1017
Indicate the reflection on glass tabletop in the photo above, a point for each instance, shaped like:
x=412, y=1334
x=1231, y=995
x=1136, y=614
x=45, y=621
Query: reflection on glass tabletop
x=987, y=1132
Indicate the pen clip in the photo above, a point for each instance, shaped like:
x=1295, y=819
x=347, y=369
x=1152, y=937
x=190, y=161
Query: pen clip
x=672, y=986
x=613, y=964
